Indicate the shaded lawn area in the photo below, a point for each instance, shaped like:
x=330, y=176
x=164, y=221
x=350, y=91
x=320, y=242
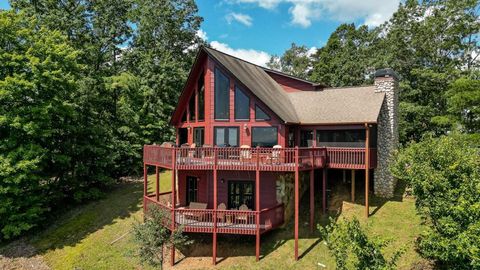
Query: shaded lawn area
x=82, y=238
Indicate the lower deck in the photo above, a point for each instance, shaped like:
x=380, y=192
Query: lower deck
x=222, y=221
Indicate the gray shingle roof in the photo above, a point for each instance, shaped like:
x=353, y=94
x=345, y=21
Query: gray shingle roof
x=260, y=83
x=338, y=105
x=327, y=106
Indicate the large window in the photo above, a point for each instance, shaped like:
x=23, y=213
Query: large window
x=306, y=138
x=191, y=107
x=241, y=192
x=264, y=136
x=182, y=136
x=201, y=98
x=222, y=97
x=260, y=114
x=242, y=105
x=345, y=138
x=199, y=136
x=226, y=136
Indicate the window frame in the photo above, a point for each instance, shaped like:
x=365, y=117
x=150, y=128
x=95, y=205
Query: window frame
x=270, y=127
x=201, y=94
x=195, y=129
x=242, y=92
x=217, y=71
x=259, y=119
x=225, y=134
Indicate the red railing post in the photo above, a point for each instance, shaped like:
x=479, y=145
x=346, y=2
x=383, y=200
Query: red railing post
x=257, y=206
x=297, y=201
x=145, y=183
x=172, y=255
x=215, y=187
x=157, y=183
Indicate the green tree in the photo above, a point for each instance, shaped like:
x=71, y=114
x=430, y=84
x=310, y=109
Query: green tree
x=352, y=248
x=154, y=238
x=463, y=102
x=444, y=174
x=346, y=59
x=429, y=43
x=38, y=80
x=161, y=53
x=294, y=61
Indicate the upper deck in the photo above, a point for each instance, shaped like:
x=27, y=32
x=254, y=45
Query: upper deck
x=263, y=159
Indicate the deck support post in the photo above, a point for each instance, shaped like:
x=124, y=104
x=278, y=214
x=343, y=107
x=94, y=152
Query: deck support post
x=257, y=207
x=215, y=195
x=312, y=200
x=353, y=186
x=172, y=255
x=297, y=201
x=145, y=183
x=157, y=183
x=367, y=167
x=324, y=191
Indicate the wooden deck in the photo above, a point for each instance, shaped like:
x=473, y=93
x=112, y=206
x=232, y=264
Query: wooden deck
x=225, y=221
x=266, y=159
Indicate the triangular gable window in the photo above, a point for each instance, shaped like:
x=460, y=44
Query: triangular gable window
x=260, y=114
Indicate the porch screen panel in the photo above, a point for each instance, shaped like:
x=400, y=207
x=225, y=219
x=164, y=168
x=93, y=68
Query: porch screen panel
x=306, y=138
x=264, y=136
x=345, y=138
x=222, y=100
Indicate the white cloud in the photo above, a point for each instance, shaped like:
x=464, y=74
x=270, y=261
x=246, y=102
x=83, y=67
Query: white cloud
x=202, y=34
x=257, y=57
x=303, y=12
x=239, y=17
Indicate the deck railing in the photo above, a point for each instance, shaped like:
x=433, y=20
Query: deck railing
x=227, y=221
x=266, y=159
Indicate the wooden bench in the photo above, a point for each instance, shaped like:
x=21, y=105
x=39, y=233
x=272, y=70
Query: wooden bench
x=197, y=215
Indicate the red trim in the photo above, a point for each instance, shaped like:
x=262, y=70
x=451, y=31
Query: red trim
x=297, y=202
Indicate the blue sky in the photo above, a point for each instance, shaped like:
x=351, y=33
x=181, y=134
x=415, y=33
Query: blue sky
x=256, y=29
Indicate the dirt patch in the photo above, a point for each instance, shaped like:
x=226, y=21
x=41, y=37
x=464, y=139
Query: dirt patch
x=20, y=255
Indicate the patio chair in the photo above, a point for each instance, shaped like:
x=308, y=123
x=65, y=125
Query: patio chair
x=245, y=153
x=221, y=215
x=274, y=158
x=191, y=153
x=196, y=215
x=243, y=217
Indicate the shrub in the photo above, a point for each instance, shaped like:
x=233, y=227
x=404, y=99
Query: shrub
x=154, y=238
x=351, y=245
x=444, y=174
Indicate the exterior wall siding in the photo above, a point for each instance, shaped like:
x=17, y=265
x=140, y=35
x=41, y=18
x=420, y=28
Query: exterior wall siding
x=245, y=126
x=268, y=195
x=291, y=85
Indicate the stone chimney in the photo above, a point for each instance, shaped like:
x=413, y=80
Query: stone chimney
x=386, y=80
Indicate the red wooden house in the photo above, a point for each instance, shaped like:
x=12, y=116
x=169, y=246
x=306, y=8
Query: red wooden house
x=242, y=130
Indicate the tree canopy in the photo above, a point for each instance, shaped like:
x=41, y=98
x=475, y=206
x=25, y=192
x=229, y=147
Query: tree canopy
x=430, y=44
x=83, y=85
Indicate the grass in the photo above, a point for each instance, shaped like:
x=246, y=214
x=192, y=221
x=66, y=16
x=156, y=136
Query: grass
x=82, y=238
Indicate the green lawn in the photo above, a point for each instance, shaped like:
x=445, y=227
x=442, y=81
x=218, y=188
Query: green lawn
x=82, y=238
